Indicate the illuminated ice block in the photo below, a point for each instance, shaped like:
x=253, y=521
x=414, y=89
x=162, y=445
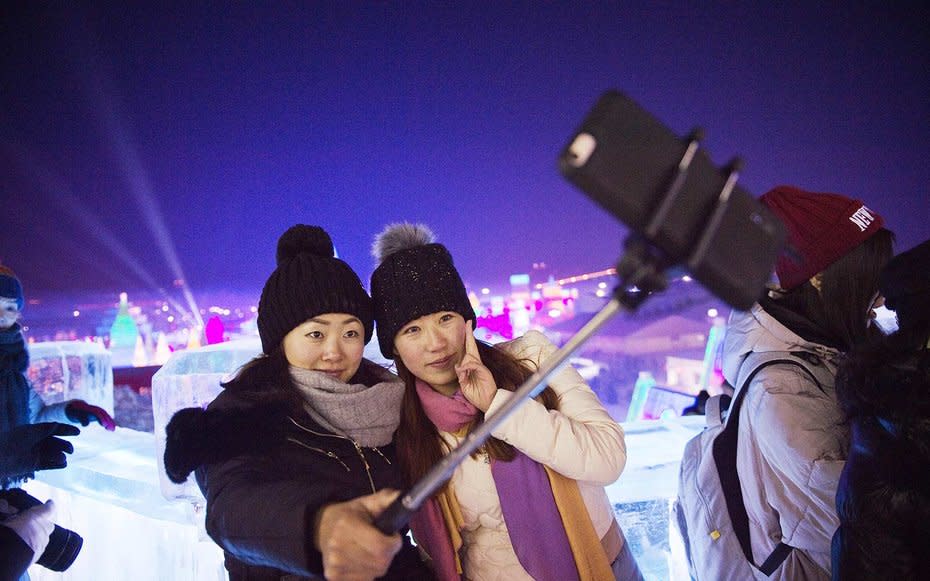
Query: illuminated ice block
x=191, y=378
x=109, y=494
x=63, y=370
x=644, y=494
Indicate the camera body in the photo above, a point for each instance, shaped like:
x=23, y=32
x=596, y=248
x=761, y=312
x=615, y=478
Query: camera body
x=63, y=544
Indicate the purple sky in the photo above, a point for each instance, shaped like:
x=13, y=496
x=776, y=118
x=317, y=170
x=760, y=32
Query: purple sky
x=232, y=124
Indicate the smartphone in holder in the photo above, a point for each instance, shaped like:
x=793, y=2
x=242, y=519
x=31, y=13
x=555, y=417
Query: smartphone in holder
x=666, y=189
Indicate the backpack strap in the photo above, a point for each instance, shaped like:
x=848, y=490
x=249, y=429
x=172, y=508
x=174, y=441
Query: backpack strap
x=714, y=411
x=724, y=450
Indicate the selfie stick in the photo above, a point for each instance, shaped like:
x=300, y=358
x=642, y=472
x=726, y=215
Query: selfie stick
x=641, y=272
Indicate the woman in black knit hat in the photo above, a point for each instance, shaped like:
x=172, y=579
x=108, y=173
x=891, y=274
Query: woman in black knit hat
x=295, y=456
x=530, y=504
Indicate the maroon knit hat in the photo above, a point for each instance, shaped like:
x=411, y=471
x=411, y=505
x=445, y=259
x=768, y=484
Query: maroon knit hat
x=822, y=228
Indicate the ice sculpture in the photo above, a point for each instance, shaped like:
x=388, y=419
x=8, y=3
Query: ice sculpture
x=124, y=334
x=191, y=378
x=63, y=370
x=643, y=495
x=110, y=495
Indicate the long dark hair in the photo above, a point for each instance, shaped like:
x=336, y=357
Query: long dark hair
x=840, y=308
x=419, y=446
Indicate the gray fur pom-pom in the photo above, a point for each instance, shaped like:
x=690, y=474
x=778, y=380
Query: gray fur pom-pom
x=396, y=237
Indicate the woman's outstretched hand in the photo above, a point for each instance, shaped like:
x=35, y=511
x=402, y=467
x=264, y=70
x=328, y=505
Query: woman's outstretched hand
x=475, y=380
x=353, y=549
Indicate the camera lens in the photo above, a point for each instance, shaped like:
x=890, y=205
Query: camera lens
x=63, y=545
x=63, y=548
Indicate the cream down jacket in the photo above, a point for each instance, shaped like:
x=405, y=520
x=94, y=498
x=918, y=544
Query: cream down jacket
x=579, y=440
x=792, y=446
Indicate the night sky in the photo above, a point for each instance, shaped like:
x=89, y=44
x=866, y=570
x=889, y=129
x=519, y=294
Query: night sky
x=134, y=139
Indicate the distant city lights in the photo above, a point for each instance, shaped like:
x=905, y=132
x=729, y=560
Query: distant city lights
x=577, y=277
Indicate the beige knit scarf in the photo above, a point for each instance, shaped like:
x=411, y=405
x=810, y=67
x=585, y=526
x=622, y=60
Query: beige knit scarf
x=367, y=414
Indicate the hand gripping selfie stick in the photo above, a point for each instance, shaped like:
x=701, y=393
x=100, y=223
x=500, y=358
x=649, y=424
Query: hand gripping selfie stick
x=682, y=210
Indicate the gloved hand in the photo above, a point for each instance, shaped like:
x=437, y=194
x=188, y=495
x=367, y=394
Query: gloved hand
x=25, y=449
x=82, y=412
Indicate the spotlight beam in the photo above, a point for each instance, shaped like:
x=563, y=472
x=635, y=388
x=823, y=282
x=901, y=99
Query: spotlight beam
x=58, y=189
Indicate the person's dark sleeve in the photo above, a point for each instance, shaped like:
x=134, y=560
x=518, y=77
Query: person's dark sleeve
x=15, y=554
x=261, y=519
x=31, y=447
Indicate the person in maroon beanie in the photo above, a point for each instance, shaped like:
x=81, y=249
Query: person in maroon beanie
x=792, y=442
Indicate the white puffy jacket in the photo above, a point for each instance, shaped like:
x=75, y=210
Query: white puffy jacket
x=580, y=440
x=792, y=446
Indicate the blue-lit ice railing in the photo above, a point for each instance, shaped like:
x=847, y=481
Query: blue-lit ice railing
x=644, y=495
x=110, y=495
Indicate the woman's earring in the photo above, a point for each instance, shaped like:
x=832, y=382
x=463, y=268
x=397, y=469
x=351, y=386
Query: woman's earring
x=817, y=281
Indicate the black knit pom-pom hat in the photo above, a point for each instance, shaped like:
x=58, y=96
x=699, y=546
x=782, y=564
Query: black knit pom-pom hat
x=308, y=281
x=415, y=277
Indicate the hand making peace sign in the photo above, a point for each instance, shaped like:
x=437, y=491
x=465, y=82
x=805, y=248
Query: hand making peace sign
x=475, y=380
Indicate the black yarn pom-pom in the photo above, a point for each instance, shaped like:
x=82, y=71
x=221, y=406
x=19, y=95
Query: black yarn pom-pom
x=301, y=239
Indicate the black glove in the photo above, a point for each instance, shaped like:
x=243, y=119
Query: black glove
x=195, y=437
x=81, y=412
x=25, y=449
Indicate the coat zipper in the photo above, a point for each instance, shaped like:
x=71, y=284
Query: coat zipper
x=321, y=451
x=358, y=449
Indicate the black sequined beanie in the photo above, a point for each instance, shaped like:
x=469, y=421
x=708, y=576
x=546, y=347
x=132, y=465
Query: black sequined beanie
x=415, y=277
x=308, y=281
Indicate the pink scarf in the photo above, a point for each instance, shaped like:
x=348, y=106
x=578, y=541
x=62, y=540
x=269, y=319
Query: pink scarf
x=526, y=500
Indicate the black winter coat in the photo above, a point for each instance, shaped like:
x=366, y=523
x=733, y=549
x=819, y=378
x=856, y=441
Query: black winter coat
x=273, y=472
x=883, y=498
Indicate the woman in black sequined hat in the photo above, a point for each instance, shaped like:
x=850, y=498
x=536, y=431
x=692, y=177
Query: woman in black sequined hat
x=530, y=504
x=295, y=456
x=883, y=497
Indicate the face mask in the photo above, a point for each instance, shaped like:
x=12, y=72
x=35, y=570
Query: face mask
x=885, y=319
x=9, y=312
